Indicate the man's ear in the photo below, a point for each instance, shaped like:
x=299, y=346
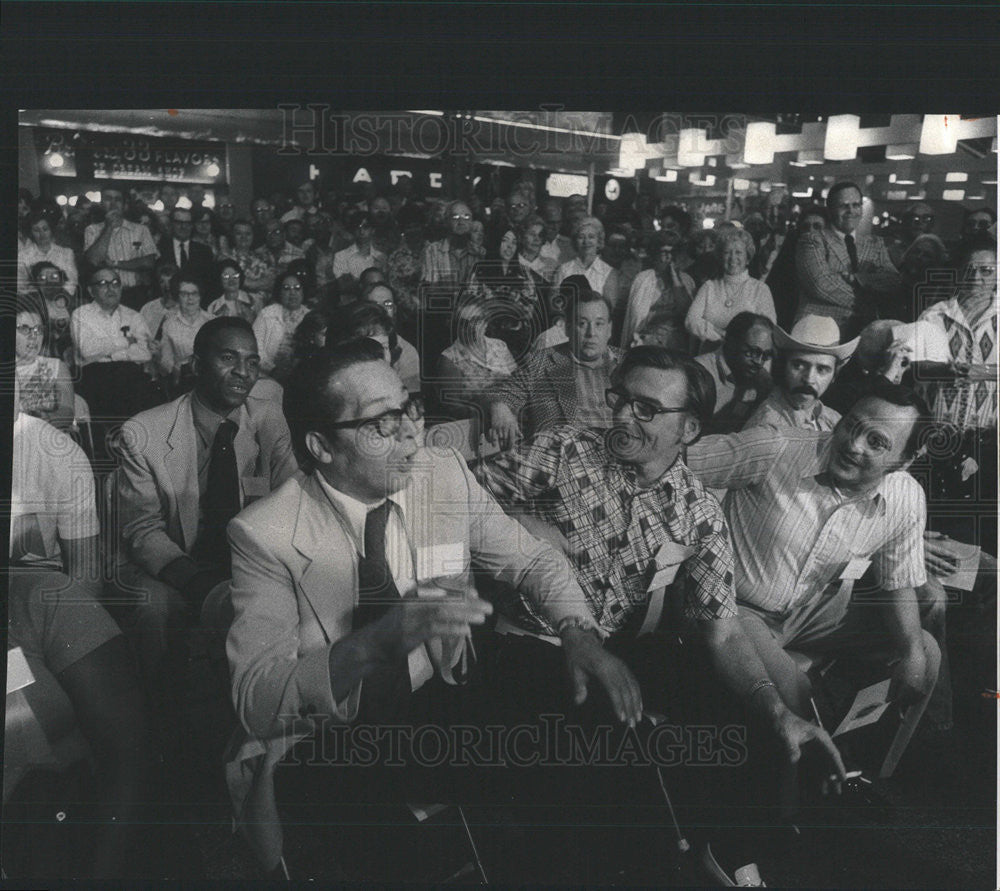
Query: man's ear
x=692, y=429
x=318, y=447
x=196, y=365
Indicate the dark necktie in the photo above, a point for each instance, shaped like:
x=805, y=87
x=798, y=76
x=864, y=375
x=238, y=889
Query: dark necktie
x=385, y=692
x=184, y=255
x=852, y=252
x=221, y=501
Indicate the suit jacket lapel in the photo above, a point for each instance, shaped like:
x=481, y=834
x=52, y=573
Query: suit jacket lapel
x=246, y=447
x=181, y=460
x=319, y=532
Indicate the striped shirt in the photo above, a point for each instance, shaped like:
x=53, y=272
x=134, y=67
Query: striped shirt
x=969, y=405
x=614, y=528
x=793, y=533
x=776, y=411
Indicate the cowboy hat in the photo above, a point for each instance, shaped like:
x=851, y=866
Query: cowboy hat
x=815, y=334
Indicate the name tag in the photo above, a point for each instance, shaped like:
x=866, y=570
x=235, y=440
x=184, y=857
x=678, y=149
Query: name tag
x=438, y=560
x=664, y=577
x=855, y=569
x=668, y=560
x=256, y=486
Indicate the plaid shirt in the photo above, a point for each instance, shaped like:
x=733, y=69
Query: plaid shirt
x=969, y=405
x=615, y=528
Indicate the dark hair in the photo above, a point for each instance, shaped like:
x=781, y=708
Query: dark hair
x=309, y=402
x=32, y=301
x=700, y=386
x=304, y=271
x=279, y=281
x=37, y=216
x=302, y=339
x=981, y=241
x=681, y=216
x=837, y=188
x=101, y=268
x=207, y=332
x=367, y=272
x=228, y=263
x=353, y=320
x=243, y=221
x=741, y=323
x=356, y=217
x=903, y=396
x=569, y=290
x=39, y=267
x=984, y=209
x=175, y=284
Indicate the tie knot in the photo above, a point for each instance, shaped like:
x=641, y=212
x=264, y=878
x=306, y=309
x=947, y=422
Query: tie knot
x=226, y=432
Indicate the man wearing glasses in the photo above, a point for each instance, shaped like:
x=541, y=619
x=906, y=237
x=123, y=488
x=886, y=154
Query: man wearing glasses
x=111, y=348
x=741, y=371
x=448, y=261
x=341, y=579
x=651, y=552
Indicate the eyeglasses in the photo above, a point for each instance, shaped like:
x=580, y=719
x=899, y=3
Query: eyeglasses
x=389, y=422
x=107, y=283
x=978, y=225
x=984, y=271
x=642, y=409
x=461, y=216
x=518, y=204
x=30, y=330
x=755, y=355
x=291, y=287
x=922, y=217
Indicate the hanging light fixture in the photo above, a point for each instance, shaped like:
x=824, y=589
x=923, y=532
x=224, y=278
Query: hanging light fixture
x=904, y=152
x=937, y=137
x=841, y=142
x=689, y=142
x=758, y=146
x=632, y=152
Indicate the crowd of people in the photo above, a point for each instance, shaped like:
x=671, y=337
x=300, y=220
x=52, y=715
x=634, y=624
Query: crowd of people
x=701, y=438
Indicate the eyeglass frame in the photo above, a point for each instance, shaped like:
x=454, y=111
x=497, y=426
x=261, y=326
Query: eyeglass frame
x=107, y=283
x=616, y=400
x=30, y=330
x=757, y=355
x=460, y=216
x=413, y=408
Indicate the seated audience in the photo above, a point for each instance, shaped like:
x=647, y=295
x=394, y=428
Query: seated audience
x=450, y=261
x=179, y=332
x=276, y=324
x=188, y=467
x=741, y=370
x=733, y=292
x=407, y=363
x=191, y=256
x=41, y=247
x=112, y=347
x=805, y=364
x=45, y=382
x=49, y=282
x=588, y=239
x=164, y=304
x=369, y=319
x=258, y=273
x=233, y=301
x=661, y=289
x=473, y=364
x=564, y=384
x=349, y=263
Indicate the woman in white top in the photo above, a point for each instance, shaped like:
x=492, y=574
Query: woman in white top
x=179, y=330
x=45, y=384
x=588, y=239
x=233, y=301
x=276, y=324
x=719, y=299
x=42, y=247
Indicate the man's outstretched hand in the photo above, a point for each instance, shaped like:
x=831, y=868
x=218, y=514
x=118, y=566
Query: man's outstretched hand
x=586, y=659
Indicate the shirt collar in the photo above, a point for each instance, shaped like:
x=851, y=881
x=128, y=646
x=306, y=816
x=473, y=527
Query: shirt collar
x=207, y=421
x=353, y=511
x=817, y=469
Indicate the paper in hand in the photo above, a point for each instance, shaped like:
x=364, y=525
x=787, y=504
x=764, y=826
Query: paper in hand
x=964, y=576
x=866, y=709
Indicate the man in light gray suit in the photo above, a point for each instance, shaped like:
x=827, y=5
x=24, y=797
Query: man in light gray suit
x=188, y=467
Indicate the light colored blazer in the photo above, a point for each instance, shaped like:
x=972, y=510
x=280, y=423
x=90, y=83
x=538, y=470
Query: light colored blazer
x=157, y=483
x=294, y=591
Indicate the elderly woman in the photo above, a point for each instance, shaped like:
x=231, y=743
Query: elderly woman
x=42, y=248
x=233, y=301
x=366, y=319
x=45, y=384
x=206, y=230
x=258, y=274
x=564, y=384
x=48, y=281
x=663, y=289
x=965, y=398
x=719, y=299
x=276, y=324
x=179, y=330
x=588, y=239
x=474, y=363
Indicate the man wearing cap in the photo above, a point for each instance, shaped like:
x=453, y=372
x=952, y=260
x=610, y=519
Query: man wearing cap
x=808, y=359
x=842, y=274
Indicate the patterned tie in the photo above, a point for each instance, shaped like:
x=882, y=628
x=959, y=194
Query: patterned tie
x=384, y=692
x=852, y=252
x=184, y=254
x=221, y=501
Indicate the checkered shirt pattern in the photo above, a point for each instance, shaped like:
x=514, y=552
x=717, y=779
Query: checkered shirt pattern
x=566, y=476
x=969, y=405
